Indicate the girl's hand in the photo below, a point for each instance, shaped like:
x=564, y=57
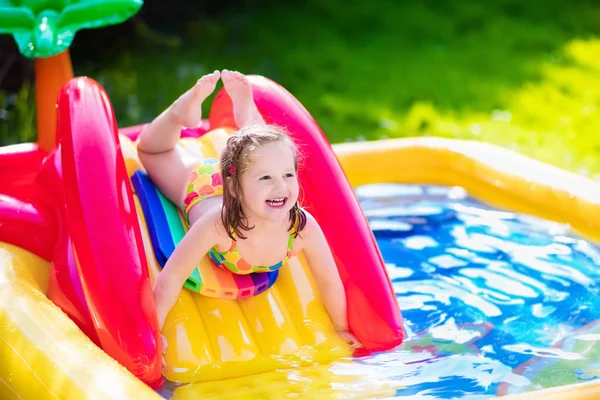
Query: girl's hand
x=164, y=350
x=350, y=339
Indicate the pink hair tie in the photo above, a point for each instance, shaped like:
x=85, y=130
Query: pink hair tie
x=231, y=169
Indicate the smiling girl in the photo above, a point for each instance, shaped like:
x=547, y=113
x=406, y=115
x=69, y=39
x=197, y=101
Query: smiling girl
x=243, y=209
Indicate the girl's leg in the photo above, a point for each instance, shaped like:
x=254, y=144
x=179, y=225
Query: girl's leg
x=245, y=112
x=239, y=89
x=163, y=161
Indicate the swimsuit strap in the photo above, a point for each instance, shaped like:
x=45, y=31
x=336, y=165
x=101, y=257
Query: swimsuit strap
x=290, y=244
x=292, y=234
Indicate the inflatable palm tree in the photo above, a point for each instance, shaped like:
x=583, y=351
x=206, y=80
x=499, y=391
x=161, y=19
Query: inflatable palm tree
x=44, y=30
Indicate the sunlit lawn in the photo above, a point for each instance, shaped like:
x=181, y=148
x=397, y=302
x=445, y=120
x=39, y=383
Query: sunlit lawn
x=525, y=75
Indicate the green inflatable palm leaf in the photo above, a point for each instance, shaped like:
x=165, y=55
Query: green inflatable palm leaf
x=44, y=28
x=16, y=20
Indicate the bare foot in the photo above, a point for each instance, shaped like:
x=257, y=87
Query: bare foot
x=187, y=109
x=239, y=89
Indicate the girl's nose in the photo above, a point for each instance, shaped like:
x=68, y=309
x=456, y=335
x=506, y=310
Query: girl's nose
x=279, y=184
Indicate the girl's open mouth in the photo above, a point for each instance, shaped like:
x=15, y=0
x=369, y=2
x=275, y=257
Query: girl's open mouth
x=276, y=203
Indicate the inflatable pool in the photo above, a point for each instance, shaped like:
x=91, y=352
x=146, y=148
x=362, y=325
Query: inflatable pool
x=78, y=258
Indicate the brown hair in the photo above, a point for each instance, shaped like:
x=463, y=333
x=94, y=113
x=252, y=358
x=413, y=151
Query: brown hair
x=235, y=158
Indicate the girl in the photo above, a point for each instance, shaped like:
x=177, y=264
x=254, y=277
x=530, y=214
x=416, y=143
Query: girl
x=250, y=211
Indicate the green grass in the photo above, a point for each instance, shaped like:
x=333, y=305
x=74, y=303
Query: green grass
x=525, y=75
x=18, y=126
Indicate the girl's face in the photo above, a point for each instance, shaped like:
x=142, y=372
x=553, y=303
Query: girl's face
x=269, y=184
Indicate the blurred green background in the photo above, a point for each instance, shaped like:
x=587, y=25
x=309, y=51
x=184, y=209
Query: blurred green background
x=520, y=74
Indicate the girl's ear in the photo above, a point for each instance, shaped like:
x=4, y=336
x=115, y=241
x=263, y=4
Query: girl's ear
x=231, y=187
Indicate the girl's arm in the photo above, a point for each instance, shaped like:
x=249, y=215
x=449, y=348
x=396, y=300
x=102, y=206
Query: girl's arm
x=325, y=272
x=201, y=237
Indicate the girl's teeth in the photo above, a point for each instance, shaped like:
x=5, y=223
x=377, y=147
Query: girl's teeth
x=276, y=202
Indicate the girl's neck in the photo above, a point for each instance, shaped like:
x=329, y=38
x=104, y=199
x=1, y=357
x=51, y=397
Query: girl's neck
x=266, y=226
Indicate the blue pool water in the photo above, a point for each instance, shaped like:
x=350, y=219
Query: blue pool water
x=493, y=302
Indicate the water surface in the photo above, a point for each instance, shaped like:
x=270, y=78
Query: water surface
x=493, y=302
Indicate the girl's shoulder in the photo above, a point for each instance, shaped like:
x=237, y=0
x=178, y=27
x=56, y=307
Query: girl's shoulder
x=311, y=225
x=211, y=224
x=311, y=236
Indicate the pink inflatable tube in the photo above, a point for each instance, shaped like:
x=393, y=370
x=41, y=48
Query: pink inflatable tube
x=64, y=284
x=374, y=316
x=102, y=224
x=27, y=225
x=19, y=165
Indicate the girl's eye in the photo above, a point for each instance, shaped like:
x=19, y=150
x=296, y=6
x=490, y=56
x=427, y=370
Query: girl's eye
x=290, y=175
x=264, y=178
